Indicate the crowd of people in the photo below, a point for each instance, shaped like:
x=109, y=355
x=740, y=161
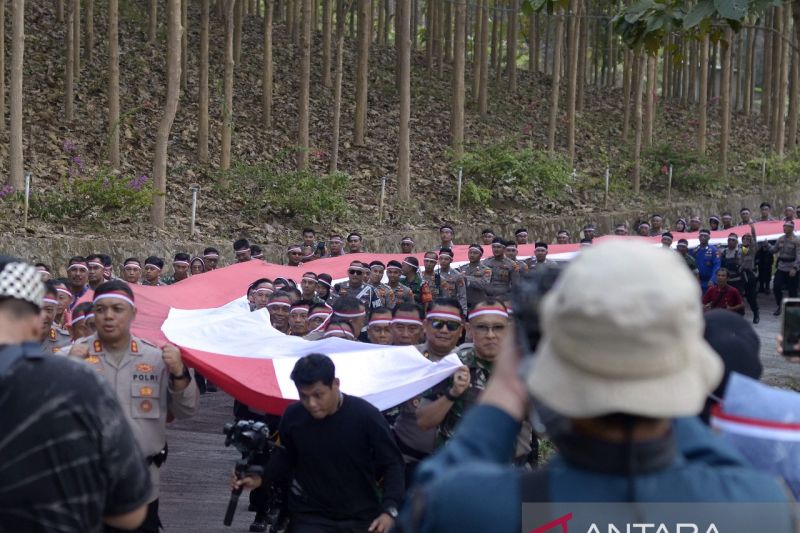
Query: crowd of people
x=439, y=309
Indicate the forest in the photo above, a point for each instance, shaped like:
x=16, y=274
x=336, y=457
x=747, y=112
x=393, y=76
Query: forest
x=289, y=112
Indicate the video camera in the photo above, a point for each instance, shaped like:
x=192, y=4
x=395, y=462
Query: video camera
x=526, y=301
x=251, y=439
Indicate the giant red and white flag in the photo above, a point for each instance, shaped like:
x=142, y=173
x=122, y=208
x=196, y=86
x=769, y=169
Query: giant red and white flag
x=208, y=317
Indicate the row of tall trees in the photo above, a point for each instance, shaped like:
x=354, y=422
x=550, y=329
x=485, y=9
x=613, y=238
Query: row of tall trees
x=481, y=45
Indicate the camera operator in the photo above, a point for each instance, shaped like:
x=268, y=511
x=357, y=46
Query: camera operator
x=624, y=378
x=335, y=447
x=69, y=459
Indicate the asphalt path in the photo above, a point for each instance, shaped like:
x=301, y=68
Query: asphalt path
x=194, y=481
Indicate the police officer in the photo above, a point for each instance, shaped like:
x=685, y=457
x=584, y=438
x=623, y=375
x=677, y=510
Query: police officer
x=707, y=259
x=511, y=253
x=476, y=275
x=749, y=278
x=432, y=283
x=151, y=383
x=539, y=256
x=504, y=270
x=53, y=337
x=451, y=281
x=787, y=249
x=402, y=293
x=357, y=286
x=384, y=292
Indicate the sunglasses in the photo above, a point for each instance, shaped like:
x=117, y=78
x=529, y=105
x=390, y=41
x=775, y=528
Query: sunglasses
x=355, y=272
x=451, y=326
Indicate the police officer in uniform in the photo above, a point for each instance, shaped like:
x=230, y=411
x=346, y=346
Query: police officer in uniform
x=357, y=286
x=787, y=248
x=476, y=275
x=539, y=257
x=504, y=271
x=451, y=281
x=385, y=293
x=402, y=293
x=53, y=337
x=150, y=383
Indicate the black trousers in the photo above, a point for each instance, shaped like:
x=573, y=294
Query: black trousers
x=306, y=523
x=783, y=282
x=764, y=275
x=151, y=523
x=748, y=287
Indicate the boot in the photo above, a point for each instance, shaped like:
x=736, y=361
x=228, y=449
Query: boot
x=777, y=311
x=756, y=317
x=259, y=523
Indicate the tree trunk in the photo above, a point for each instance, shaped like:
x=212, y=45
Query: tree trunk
x=448, y=31
x=362, y=75
x=89, y=29
x=158, y=211
x=326, y=43
x=414, y=23
x=691, y=93
x=238, y=15
x=703, y=94
x=69, y=69
x=638, y=84
x=748, y=82
x=795, y=94
x=483, y=96
x=60, y=11
x=666, y=78
x=404, y=144
x=650, y=100
x=783, y=87
x=429, y=7
x=438, y=34
x=534, y=50
x=495, y=20
x=556, y=81
x=582, y=57
x=296, y=22
x=305, y=88
x=113, y=83
x=266, y=70
x=184, y=42
x=3, y=63
x=227, y=104
x=76, y=36
x=572, y=75
x=627, y=89
x=15, y=166
x=477, y=51
x=511, y=60
x=766, y=80
x=152, y=21
x=202, y=127
x=457, y=101
x=337, y=91
x=381, y=22
x=725, y=102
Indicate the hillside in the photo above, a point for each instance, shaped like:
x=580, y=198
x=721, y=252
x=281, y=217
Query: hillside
x=57, y=151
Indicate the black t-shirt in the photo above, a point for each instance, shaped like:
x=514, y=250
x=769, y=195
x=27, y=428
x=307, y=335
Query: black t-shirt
x=335, y=462
x=67, y=455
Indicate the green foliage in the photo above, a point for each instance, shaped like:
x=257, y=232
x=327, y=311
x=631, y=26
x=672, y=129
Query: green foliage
x=262, y=188
x=502, y=171
x=690, y=172
x=106, y=197
x=781, y=170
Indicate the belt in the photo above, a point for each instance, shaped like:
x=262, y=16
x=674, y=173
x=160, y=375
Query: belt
x=159, y=458
x=408, y=450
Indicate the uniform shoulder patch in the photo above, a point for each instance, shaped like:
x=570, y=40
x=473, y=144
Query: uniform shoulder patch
x=147, y=343
x=98, y=346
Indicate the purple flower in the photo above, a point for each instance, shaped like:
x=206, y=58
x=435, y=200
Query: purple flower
x=78, y=162
x=69, y=146
x=137, y=183
x=5, y=191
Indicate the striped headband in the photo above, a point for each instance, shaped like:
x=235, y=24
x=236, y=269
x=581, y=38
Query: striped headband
x=151, y=265
x=115, y=294
x=444, y=315
x=211, y=255
x=78, y=266
x=294, y=249
x=407, y=321
x=132, y=265
x=380, y=322
x=95, y=263
x=49, y=301
x=523, y=234
x=493, y=310
x=184, y=263
x=427, y=260
x=309, y=278
x=264, y=290
x=407, y=241
x=77, y=319
x=324, y=283
x=65, y=291
x=243, y=251
x=337, y=240
x=357, y=267
x=318, y=314
x=338, y=329
x=412, y=265
x=349, y=315
x=393, y=267
x=279, y=304
x=476, y=248
x=300, y=309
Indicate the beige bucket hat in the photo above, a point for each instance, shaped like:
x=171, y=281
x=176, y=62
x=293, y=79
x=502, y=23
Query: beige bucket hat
x=623, y=333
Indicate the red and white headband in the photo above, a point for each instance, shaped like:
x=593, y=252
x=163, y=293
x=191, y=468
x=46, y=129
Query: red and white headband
x=349, y=315
x=151, y=265
x=444, y=315
x=318, y=314
x=413, y=321
x=489, y=310
x=393, y=267
x=78, y=266
x=478, y=248
x=183, y=263
x=96, y=263
x=380, y=322
x=133, y=266
x=309, y=278
x=266, y=290
x=211, y=255
x=299, y=310
x=324, y=283
x=411, y=264
x=49, y=301
x=243, y=251
x=65, y=291
x=294, y=249
x=115, y=294
x=333, y=330
x=279, y=304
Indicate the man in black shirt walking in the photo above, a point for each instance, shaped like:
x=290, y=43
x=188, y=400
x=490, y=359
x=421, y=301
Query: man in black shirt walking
x=335, y=448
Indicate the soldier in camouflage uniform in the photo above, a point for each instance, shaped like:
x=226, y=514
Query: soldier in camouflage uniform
x=53, y=337
x=476, y=276
x=385, y=293
x=430, y=276
x=504, y=271
x=152, y=270
x=411, y=278
x=787, y=248
x=451, y=281
x=402, y=293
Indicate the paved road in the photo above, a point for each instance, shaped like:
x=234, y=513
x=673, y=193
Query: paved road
x=194, y=491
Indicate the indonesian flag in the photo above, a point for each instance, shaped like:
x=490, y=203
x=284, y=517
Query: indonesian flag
x=207, y=316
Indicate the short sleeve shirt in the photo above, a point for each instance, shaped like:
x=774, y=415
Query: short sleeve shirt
x=69, y=457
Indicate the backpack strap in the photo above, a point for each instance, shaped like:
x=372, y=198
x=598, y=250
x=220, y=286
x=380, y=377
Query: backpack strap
x=535, y=485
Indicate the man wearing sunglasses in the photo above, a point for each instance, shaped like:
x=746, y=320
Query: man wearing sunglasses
x=357, y=286
x=414, y=429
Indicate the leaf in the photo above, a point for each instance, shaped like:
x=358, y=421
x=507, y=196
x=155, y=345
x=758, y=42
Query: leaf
x=701, y=11
x=731, y=9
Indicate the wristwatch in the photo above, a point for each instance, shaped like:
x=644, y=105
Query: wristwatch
x=392, y=511
x=449, y=395
x=184, y=375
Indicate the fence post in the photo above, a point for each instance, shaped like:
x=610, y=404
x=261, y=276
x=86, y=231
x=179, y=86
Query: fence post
x=27, y=197
x=383, y=195
x=458, y=194
x=669, y=186
x=195, y=189
x=608, y=179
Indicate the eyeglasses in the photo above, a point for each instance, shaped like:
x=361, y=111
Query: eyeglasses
x=451, y=326
x=355, y=272
x=484, y=329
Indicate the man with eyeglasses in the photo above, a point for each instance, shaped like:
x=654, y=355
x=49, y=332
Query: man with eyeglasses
x=294, y=255
x=379, y=327
x=443, y=326
x=357, y=287
x=354, y=243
